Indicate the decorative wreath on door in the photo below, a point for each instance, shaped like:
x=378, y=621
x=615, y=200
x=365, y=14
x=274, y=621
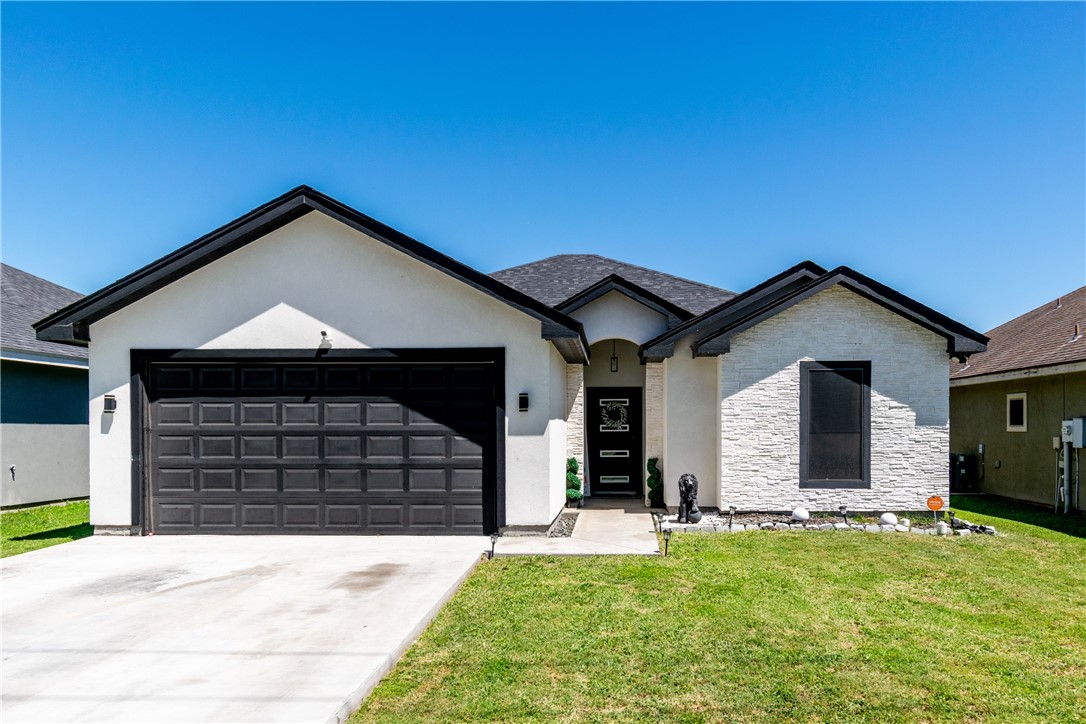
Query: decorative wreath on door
x=614, y=415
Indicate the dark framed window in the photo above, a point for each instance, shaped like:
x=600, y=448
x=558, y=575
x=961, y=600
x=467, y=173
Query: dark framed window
x=835, y=425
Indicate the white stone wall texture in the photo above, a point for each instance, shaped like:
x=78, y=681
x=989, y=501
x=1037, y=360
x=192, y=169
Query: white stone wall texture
x=575, y=414
x=759, y=406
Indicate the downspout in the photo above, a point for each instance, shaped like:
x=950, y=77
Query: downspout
x=1067, y=477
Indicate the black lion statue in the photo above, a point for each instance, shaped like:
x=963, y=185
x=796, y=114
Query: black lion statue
x=688, y=499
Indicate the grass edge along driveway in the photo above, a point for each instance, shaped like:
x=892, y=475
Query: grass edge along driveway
x=29, y=529
x=763, y=626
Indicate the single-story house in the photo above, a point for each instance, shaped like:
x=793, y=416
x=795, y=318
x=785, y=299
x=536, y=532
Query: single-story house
x=307, y=369
x=1007, y=404
x=43, y=397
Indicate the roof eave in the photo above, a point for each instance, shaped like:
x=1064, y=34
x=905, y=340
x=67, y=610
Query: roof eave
x=71, y=325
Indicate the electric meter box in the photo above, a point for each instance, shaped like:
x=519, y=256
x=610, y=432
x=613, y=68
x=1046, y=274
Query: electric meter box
x=1074, y=431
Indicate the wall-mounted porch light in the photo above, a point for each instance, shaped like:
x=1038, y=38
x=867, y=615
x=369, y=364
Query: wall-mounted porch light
x=110, y=404
x=522, y=402
x=614, y=357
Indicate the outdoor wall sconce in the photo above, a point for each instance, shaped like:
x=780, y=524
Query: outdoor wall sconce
x=110, y=405
x=667, y=539
x=523, y=402
x=493, y=542
x=614, y=357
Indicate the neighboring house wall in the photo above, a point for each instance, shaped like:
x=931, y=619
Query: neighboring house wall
x=317, y=274
x=1018, y=465
x=43, y=434
x=760, y=411
x=692, y=431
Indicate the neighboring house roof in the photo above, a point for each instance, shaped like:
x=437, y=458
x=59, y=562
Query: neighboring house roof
x=961, y=340
x=71, y=325
x=24, y=299
x=558, y=278
x=1052, y=334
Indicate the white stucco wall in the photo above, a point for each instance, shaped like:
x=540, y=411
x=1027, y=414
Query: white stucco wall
x=316, y=274
x=691, y=433
x=50, y=463
x=759, y=406
x=614, y=315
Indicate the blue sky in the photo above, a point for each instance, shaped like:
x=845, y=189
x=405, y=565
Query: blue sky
x=939, y=148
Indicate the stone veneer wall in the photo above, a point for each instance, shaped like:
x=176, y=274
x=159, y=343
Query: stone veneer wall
x=575, y=414
x=760, y=384
x=654, y=411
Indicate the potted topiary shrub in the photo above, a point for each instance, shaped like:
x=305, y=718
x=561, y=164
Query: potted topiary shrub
x=656, y=483
x=574, y=496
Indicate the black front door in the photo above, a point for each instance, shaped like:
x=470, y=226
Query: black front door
x=613, y=419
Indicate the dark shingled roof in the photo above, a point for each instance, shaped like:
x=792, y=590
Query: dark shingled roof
x=1044, y=336
x=24, y=299
x=555, y=279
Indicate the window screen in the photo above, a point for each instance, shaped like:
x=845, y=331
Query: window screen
x=835, y=423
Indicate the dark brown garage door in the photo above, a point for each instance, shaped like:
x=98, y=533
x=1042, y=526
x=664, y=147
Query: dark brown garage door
x=331, y=447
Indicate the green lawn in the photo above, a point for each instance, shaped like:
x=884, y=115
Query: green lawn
x=33, y=528
x=767, y=626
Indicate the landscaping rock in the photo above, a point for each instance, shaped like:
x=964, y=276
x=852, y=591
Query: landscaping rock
x=738, y=527
x=989, y=530
x=840, y=526
x=825, y=526
x=872, y=529
x=755, y=526
x=901, y=528
x=856, y=526
x=781, y=526
x=801, y=515
x=888, y=519
x=765, y=526
x=887, y=528
x=796, y=526
x=941, y=528
x=921, y=531
x=963, y=531
x=810, y=526
x=906, y=522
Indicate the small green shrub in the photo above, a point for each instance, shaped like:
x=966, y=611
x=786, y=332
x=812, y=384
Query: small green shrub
x=573, y=481
x=656, y=483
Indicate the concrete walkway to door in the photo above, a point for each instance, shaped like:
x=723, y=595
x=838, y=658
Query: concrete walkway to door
x=605, y=527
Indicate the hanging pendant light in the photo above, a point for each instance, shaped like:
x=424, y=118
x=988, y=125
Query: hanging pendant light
x=614, y=357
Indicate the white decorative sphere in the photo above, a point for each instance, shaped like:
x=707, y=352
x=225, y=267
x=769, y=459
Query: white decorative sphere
x=888, y=519
x=801, y=515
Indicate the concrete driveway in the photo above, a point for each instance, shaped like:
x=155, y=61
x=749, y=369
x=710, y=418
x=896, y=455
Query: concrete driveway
x=216, y=628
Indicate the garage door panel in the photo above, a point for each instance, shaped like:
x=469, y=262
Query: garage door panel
x=351, y=480
x=308, y=479
x=358, y=447
x=259, y=413
x=301, y=413
x=216, y=413
x=259, y=480
x=218, y=446
x=384, y=480
x=429, y=481
x=343, y=413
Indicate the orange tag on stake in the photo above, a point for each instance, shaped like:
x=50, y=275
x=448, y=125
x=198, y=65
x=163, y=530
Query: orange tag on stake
x=935, y=503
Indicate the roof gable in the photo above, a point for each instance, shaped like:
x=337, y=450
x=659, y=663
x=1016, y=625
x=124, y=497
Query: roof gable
x=961, y=340
x=614, y=283
x=1040, y=337
x=557, y=279
x=71, y=325
x=656, y=350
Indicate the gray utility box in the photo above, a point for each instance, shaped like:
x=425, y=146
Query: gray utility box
x=1074, y=432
